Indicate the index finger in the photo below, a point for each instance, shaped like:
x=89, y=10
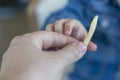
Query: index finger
x=49, y=39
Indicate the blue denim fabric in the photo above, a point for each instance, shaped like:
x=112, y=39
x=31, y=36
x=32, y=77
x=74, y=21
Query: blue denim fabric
x=103, y=64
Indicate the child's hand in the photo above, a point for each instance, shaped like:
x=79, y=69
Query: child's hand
x=72, y=28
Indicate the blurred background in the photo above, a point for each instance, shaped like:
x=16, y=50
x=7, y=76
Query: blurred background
x=13, y=21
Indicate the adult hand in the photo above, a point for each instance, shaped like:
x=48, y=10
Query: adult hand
x=28, y=58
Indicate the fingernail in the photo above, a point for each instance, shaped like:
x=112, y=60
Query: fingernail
x=81, y=47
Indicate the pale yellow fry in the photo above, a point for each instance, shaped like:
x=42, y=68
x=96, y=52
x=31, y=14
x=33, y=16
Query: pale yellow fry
x=91, y=30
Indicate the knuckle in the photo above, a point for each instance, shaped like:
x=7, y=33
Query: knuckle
x=27, y=35
x=79, y=49
x=67, y=24
x=15, y=39
x=61, y=20
x=58, y=27
x=70, y=22
x=53, y=34
x=57, y=24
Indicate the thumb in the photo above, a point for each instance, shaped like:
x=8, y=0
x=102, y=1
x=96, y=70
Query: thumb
x=73, y=52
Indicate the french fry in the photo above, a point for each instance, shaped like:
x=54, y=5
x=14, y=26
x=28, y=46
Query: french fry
x=91, y=30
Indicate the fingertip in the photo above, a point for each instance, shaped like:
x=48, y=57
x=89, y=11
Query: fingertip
x=92, y=46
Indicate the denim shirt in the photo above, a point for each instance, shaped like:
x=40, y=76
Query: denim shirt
x=104, y=64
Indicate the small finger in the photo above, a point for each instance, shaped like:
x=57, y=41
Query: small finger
x=92, y=46
x=68, y=28
x=50, y=27
x=58, y=26
x=75, y=29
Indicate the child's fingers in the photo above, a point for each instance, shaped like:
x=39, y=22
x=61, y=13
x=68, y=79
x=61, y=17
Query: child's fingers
x=92, y=46
x=79, y=34
x=58, y=26
x=75, y=29
x=50, y=27
x=68, y=27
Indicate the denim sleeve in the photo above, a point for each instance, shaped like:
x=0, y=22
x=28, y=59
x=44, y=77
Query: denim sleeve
x=73, y=10
x=63, y=14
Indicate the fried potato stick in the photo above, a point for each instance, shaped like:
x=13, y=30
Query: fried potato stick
x=91, y=30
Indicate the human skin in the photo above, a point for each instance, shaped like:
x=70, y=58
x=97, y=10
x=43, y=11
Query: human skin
x=73, y=28
x=28, y=57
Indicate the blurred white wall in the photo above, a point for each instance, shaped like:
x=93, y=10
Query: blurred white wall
x=46, y=7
